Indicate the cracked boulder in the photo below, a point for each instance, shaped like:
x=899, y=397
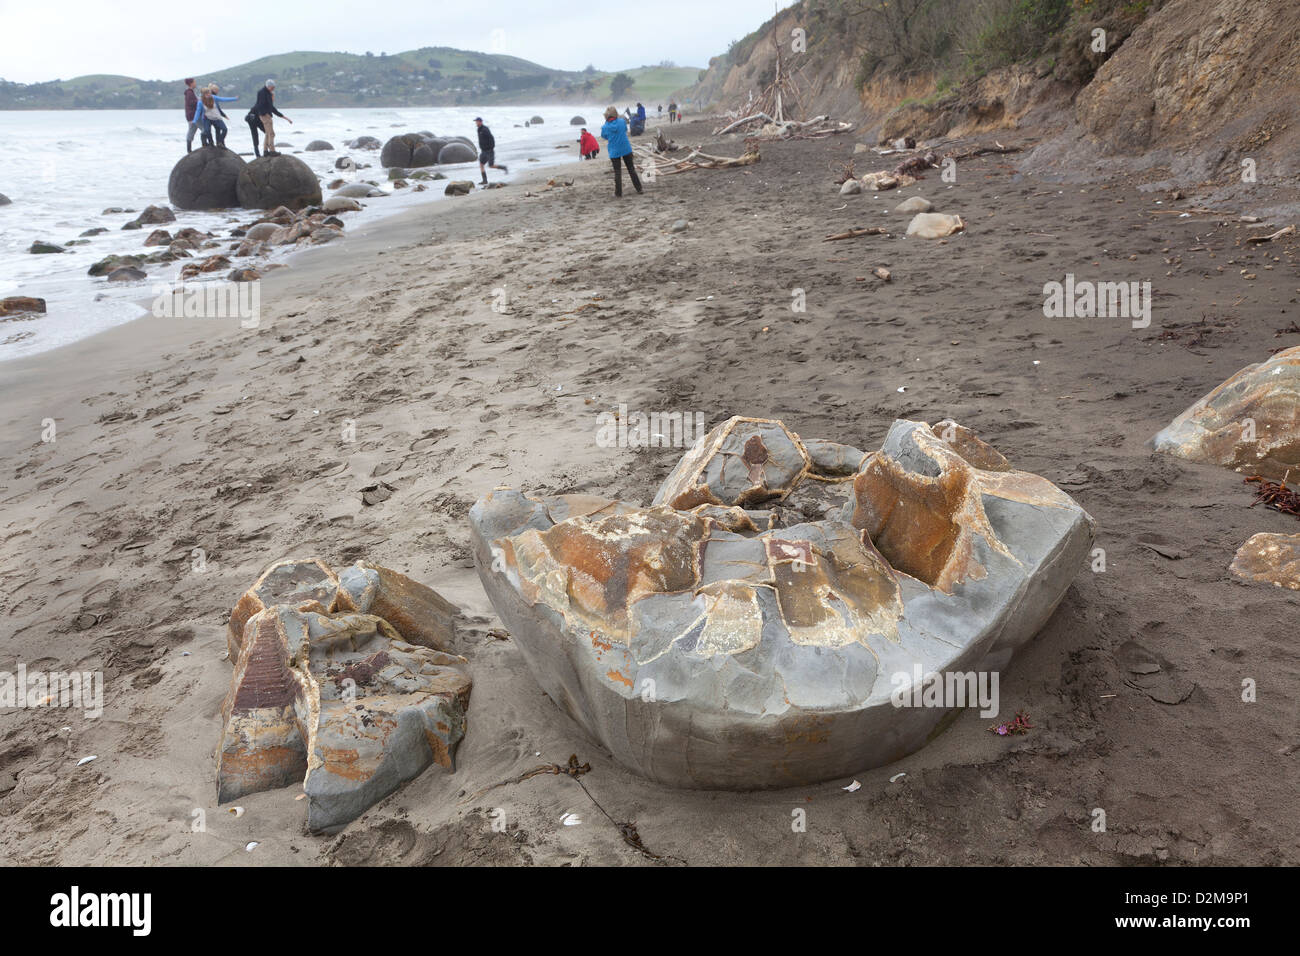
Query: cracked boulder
x=1250, y=423
x=334, y=698
x=1269, y=558
x=707, y=644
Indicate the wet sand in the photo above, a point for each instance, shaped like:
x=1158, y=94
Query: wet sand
x=175, y=435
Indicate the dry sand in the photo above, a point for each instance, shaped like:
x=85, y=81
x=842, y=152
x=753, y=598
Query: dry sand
x=175, y=435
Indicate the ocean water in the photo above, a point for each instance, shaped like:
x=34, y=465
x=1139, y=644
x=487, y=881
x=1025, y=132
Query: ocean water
x=62, y=168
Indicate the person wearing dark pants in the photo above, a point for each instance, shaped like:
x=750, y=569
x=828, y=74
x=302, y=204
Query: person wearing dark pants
x=487, y=146
x=614, y=132
x=255, y=126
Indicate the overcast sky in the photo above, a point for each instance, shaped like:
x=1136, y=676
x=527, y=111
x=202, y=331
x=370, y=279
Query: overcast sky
x=165, y=40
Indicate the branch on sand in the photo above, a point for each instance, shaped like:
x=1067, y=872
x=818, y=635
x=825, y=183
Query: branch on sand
x=696, y=159
x=856, y=233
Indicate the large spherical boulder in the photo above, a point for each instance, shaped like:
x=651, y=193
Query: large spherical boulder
x=397, y=151
x=365, y=142
x=577, y=121
x=457, y=153
x=462, y=139
x=4, y=200
x=318, y=146
x=424, y=155
x=536, y=120
x=205, y=179
x=278, y=180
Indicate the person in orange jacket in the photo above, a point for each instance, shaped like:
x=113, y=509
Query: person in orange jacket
x=587, y=145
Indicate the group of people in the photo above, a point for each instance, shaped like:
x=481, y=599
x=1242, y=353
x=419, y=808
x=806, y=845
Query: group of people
x=204, y=115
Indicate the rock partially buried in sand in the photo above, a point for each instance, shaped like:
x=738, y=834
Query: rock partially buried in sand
x=5, y=200
x=850, y=187
x=335, y=697
x=577, y=121
x=365, y=142
x=341, y=204
x=205, y=179
x=913, y=205
x=459, y=187
x=705, y=647
x=1250, y=423
x=934, y=225
x=536, y=120
x=39, y=248
x=155, y=216
x=360, y=191
x=408, y=149
x=318, y=146
x=279, y=180
x=1270, y=559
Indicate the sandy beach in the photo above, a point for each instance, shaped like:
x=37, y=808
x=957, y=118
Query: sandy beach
x=176, y=435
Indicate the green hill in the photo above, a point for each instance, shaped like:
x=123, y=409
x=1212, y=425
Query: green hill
x=430, y=76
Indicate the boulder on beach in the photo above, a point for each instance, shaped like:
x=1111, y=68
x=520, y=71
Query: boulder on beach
x=44, y=248
x=261, y=231
x=5, y=200
x=459, y=187
x=22, y=305
x=345, y=162
x=244, y=275
x=318, y=146
x=279, y=180
x=96, y=231
x=1251, y=422
x=578, y=121
x=341, y=204
x=397, y=172
x=205, y=179
x=340, y=685
x=107, y=264
x=127, y=274
x=424, y=155
x=156, y=215
x=536, y=120
x=934, y=225
x=1269, y=558
x=914, y=204
x=159, y=237
x=360, y=191
x=398, y=150
x=456, y=153
x=850, y=187
x=365, y=142
x=726, y=651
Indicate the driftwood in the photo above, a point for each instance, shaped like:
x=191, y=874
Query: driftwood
x=1288, y=231
x=855, y=233
x=662, y=144
x=982, y=150
x=741, y=122
x=696, y=159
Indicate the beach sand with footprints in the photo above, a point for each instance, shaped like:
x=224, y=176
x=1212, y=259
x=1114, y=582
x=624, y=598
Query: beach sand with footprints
x=177, y=435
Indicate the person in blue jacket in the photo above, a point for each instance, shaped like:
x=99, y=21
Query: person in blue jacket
x=614, y=132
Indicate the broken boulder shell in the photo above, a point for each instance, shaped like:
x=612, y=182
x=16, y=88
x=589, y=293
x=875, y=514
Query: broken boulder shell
x=341, y=684
x=707, y=647
x=934, y=225
x=1269, y=559
x=1250, y=423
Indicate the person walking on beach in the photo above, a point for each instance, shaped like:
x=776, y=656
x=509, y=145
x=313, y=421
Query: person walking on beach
x=672, y=111
x=264, y=108
x=487, y=146
x=191, y=107
x=614, y=132
x=587, y=145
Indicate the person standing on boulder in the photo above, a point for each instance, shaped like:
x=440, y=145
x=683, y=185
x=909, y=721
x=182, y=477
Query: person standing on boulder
x=487, y=146
x=191, y=107
x=212, y=113
x=264, y=108
x=620, y=149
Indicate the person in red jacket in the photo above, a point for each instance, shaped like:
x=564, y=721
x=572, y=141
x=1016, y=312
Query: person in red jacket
x=587, y=145
x=191, y=106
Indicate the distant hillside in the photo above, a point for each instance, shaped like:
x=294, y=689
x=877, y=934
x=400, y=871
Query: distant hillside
x=431, y=76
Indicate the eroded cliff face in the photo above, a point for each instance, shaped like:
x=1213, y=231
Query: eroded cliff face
x=1195, y=87
x=1198, y=72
